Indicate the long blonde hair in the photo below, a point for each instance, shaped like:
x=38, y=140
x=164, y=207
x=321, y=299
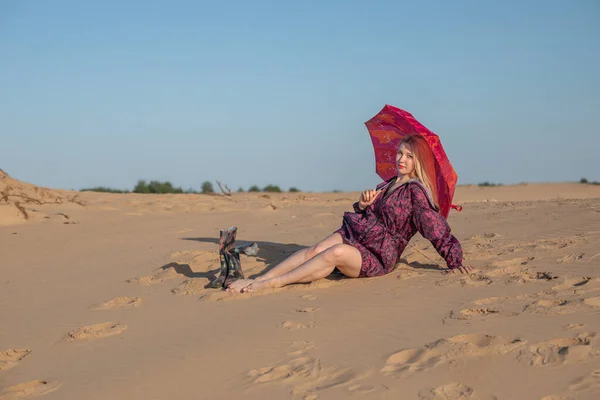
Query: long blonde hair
x=424, y=163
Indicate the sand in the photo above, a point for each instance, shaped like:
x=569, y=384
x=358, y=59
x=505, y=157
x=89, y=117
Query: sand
x=102, y=297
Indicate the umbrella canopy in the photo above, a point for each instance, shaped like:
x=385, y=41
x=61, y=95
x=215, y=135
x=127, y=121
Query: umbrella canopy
x=388, y=128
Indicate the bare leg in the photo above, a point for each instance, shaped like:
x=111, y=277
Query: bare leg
x=293, y=261
x=345, y=257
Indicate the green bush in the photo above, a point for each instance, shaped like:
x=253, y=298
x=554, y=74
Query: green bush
x=585, y=181
x=294, y=189
x=272, y=189
x=141, y=187
x=486, y=183
x=254, y=188
x=156, y=187
x=207, y=187
x=163, y=187
x=240, y=190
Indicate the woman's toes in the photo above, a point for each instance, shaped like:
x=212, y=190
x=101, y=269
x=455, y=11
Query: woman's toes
x=239, y=285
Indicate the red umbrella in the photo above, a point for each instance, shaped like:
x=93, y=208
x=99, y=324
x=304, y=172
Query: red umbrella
x=387, y=129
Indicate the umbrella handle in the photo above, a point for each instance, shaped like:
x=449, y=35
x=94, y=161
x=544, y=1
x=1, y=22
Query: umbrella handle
x=455, y=207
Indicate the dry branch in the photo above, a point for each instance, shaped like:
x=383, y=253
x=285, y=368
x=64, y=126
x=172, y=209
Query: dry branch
x=22, y=210
x=226, y=191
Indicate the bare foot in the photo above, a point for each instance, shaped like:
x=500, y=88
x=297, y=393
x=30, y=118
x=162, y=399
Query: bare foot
x=239, y=285
x=257, y=286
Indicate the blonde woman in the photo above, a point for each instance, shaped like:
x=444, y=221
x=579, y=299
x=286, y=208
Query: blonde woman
x=373, y=237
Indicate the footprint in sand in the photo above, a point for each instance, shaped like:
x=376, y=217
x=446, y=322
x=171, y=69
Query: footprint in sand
x=322, y=379
x=453, y=391
x=510, y=306
x=587, y=383
x=308, y=310
x=309, y=297
x=28, y=390
x=300, y=348
x=11, y=357
x=288, y=370
x=162, y=274
x=559, y=351
x=293, y=326
x=579, y=285
x=558, y=306
x=478, y=247
x=189, y=287
x=574, y=326
x=97, y=331
x=474, y=279
x=361, y=388
x=570, y=258
x=220, y=295
x=507, y=265
x=449, y=351
x=526, y=276
x=470, y=313
x=491, y=300
x=306, y=376
x=118, y=302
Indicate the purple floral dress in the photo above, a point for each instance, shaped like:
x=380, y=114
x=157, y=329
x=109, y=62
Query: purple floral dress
x=382, y=231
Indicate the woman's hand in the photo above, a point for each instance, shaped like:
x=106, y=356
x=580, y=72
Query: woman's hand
x=367, y=198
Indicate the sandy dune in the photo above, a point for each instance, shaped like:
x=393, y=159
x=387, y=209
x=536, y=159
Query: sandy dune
x=102, y=297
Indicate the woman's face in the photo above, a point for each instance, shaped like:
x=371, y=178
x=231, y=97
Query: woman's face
x=405, y=162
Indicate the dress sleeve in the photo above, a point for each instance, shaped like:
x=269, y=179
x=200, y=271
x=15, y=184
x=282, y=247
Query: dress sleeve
x=433, y=227
x=357, y=208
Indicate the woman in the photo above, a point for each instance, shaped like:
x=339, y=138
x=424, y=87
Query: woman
x=372, y=239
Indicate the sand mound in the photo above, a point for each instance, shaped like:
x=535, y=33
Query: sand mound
x=17, y=199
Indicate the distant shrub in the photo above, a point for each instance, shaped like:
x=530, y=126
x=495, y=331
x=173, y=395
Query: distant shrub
x=156, y=187
x=104, y=189
x=254, y=188
x=272, y=189
x=336, y=191
x=294, y=189
x=207, y=187
x=163, y=187
x=585, y=181
x=141, y=187
x=486, y=183
x=240, y=190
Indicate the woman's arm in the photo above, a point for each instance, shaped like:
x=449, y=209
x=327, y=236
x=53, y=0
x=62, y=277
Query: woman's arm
x=433, y=227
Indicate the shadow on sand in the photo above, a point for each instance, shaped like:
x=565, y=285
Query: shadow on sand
x=418, y=265
x=186, y=270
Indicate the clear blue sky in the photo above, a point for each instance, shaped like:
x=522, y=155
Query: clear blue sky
x=260, y=92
